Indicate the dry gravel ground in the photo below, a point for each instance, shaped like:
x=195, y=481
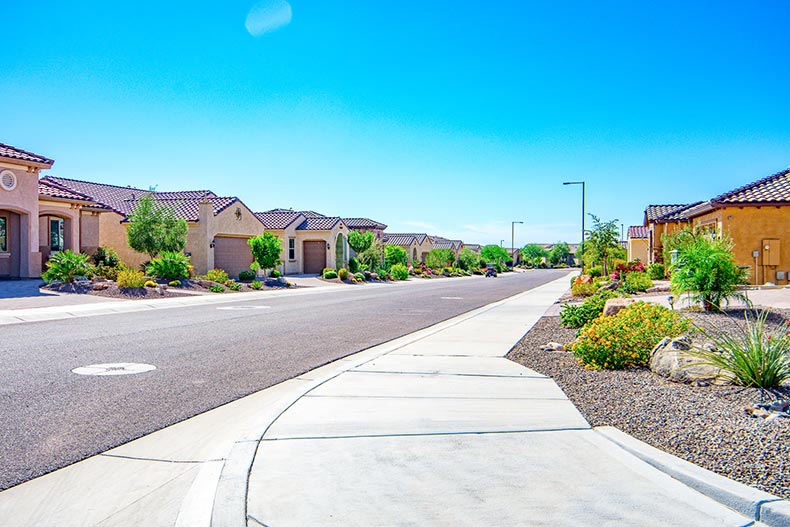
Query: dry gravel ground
x=704, y=425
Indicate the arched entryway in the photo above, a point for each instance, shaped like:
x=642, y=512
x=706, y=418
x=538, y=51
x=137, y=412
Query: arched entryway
x=10, y=244
x=56, y=233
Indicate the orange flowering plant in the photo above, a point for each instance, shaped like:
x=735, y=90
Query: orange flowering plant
x=626, y=339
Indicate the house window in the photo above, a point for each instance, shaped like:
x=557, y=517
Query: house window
x=3, y=234
x=292, y=248
x=56, y=235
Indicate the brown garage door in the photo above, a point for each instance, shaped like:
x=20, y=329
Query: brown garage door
x=232, y=254
x=314, y=257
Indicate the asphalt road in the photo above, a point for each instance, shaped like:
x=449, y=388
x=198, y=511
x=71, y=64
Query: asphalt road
x=205, y=357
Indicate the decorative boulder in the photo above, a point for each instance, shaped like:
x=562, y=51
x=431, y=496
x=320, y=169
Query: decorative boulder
x=658, y=289
x=552, y=346
x=585, y=279
x=615, y=305
x=670, y=359
x=100, y=286
x=611, y=286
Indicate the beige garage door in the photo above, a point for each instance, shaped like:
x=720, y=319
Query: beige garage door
x=314, y=257
x=232, y=254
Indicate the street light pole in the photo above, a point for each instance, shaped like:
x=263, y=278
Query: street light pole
x=513, y=240
x=581, y=246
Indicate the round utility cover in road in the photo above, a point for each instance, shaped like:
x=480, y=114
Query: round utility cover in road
x=243, y=308
x=114, y=368
x=452, y=298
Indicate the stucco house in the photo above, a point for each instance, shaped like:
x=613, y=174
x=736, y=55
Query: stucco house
x=660, y=220
x=219, y=227
x=416, y=244
x=757, y=219
x=366, y=225
x=438, y=242
x=311, y=241
x=638, y=247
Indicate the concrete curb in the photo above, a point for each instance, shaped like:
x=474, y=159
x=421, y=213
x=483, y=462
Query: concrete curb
x=230, y=500
x=763, y=507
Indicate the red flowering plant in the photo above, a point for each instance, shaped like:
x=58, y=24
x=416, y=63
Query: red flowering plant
x=623, y=269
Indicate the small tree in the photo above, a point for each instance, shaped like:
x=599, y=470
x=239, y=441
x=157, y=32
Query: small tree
x=494, y=254
x=155, y=228
x=266, y=249
x=395, y=254
x=601, y=241
x=706, y=270
x=439, y=258
x=533, y=254
x=372, y=256
x=360, y=241
x=468, y=259
x=559, y=253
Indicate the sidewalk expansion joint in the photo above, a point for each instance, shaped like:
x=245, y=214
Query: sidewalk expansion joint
x=256, y=520
x=179, y=461
x=451, y=374
x=428, y=434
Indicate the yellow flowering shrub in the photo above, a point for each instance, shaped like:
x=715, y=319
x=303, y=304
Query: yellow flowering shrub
x=626, y=339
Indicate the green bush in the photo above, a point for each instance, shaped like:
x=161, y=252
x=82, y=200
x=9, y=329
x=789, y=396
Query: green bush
x=359, y=276
x=233, y=286
x=216, y=288
x=757, y=356
x=578, y=316
x=169, y=266
x=581, y=289
x=174, y=283
x=399, y=272
x=342, y=273
x=595, y=271
x=256, y=284
x=626, y=339
x=150, y=283
x=216, y=275
x=636, y=282
x=106, y=257
x=130, y=279
x=468, y=259
x=64, y=266
x=329, y=275
x=706, y=270
x=656, y=271
x=274, y=273
x=353, y=265
x=247, y=275
x=394, y=254
x=438, y=258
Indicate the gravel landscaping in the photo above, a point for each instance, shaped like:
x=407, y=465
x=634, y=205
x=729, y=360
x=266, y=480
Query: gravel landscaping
x=705, y=425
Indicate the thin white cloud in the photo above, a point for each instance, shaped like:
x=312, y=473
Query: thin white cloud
x=266, y=16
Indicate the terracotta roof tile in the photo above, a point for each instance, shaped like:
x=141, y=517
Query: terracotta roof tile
x=771, y=189
x=638, y=231
x=663, y=213
x=13, y=152
x=278, y=218
x=363, y=223
x=318, y=223
x=404, y=240
x=49, y=189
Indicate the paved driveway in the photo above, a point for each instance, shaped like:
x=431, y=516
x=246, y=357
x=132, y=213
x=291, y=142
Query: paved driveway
x=25, y=294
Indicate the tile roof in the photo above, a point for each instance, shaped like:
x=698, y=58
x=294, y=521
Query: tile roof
x=771, y=189
x=363, y=223
x=402, y=239
x=123, y=199
x=49, y=189
x=13, y=152
x=662, y=213
x=317, y=223
x=699, y=208
x=278, y=218
x=638, y=231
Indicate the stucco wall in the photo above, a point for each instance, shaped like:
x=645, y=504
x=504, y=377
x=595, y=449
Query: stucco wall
x=89, y=231
x=23, y=200
x=637, y=249
x=112, y=233
x=749, y=227
x=655, y=246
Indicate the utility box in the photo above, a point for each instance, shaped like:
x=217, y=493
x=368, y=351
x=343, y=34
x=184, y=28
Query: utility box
x=780, y=276
x=771, y=251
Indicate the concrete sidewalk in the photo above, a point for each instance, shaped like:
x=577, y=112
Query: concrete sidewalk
x=435, y=428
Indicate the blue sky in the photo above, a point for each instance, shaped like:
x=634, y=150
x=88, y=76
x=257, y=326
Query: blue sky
x=454, y=118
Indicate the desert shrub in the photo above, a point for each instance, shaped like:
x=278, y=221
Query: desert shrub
x=581, y=289
x=756, y=356
x=467, y=258
x=169, y=266
x=353, y=265
x=274, y=273
x=394, y=254
x=130, y=279
x=636, y=282
x=399, y=272
x=328, y=275
x=706, y=269
x=342, y=273
x=656, y=271
x=216, y=275
x=327, y=270
x=106, y=257
x=626, y=339
x=477, y=271
x=64, y=266
x=438, y=258
x=247, y=275
x=418, y=271
x=233, y=286
x=578, y=316
x=595, y=271
x=256, y=284
x=174, y=283
x=150, y=283
x=216, y=288
x=359, y=276
x=266, y=249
